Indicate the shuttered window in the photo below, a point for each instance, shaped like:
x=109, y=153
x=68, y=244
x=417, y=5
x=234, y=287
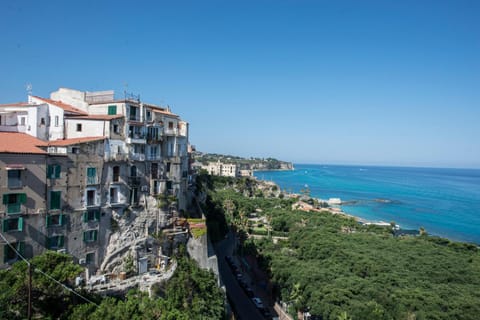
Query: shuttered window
x=53, y=171
x=112, y=110
x=90, y=235
x=55, y=199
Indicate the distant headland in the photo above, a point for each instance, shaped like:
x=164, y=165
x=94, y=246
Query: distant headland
x=228, y=165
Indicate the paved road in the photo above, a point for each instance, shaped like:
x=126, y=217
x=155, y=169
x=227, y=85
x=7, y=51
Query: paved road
x=243, y=306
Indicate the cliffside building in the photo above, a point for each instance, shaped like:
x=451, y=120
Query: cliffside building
x=70, y=163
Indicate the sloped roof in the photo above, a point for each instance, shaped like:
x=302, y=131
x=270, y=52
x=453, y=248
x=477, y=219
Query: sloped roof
x=73, y=141
x=14, y=142
x=17, y=104
x=60, y=104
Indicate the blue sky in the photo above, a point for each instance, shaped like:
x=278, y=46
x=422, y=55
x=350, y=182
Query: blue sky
x=342, y=82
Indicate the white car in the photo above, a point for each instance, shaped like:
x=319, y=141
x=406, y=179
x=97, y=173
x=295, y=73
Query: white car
x=258, y=302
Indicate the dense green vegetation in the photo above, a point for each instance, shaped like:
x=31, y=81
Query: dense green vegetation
x=339, y=269
x=192, y=293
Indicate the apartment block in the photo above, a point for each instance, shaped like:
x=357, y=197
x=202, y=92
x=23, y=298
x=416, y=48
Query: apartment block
x=71, y=162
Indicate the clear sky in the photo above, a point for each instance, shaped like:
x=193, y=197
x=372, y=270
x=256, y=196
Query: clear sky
x=338, y=82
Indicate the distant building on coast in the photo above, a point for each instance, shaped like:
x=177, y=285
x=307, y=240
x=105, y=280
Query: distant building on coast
x=72, y=162
x=226, y=169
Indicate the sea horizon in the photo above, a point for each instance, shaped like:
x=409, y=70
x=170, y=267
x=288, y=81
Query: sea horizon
x=444, y=201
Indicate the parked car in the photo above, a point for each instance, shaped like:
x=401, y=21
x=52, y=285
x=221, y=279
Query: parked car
x=249, y=292
x=258, y=302
x=242, y=283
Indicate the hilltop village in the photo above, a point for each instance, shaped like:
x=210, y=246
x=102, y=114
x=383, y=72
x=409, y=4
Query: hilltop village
x=94, y=176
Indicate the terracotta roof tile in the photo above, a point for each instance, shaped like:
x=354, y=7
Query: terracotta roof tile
x=69, y=142
x=60, y=104
x=17, y=104
x=14, y=142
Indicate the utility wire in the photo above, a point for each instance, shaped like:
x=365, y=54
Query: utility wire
x=45, y=274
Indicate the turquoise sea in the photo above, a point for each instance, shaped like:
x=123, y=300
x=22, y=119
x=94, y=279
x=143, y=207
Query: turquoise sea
x=446, y=202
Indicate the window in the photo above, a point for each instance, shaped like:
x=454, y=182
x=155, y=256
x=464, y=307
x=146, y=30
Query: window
x=116, y=174
x=154, y=170
x=53, y=171
x=55, y=199
x=15, y=179
x=55, y=242
x=133, y=113
x=134, y=196
x=149, y=115
x=91, y=215
x=133, y=171
x=12, y=224
x=168, y=166
x=56, y=121
x=115, y=128
x=90, y=235
x=170, y=125
x=9, y=255
x=91, y=198
x=13, y=202
x=91, y=175
x=55, y=220
x=79, y=127
x=113, y=195
x=42, y=121
x=22, y=121
x=90, y=258
x=75, y=150
x=112, y=110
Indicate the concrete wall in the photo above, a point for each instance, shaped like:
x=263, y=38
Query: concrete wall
x=89, y=128
x=72, y=97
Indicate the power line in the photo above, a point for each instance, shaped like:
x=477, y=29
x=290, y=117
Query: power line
x=45, y=274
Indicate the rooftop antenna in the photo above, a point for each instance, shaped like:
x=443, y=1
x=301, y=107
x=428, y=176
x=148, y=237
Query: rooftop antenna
x=28, y=87
x=125, y=86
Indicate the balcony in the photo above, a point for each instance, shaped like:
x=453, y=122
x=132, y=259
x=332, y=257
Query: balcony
x=116, y=156
x=154, y=157
x=13, y=128
x=171, y=131
x=134, y=181
x=137, y=156
x=140, y=139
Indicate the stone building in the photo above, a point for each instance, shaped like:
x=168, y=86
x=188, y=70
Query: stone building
x=91, y=159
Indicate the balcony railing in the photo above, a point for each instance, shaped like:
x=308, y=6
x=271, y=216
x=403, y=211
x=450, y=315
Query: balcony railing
x=92, y=180
x=134, y=181
x=137, y=156
x=116, y=156
x=171, y=131
x=14, y=208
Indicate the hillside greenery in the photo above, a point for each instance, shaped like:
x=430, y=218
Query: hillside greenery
x=337, y=268
x=192, y=293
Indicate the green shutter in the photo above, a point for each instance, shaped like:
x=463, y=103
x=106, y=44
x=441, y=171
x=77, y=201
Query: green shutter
x=61, y=220
x=22, y=198
x=85, y=216
x=20, y=224
x=48, y=242
x=95, y=233
x=85, y=236
x=21, y=247
x=5, y=198
x=97, y=215
x=58, y=169
x=49, y=171
x=112, y=110
x=4, y=225
x=60, y=241
x=5, y=253
x=55, y=197
x=48, y=221
x=91, y=172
